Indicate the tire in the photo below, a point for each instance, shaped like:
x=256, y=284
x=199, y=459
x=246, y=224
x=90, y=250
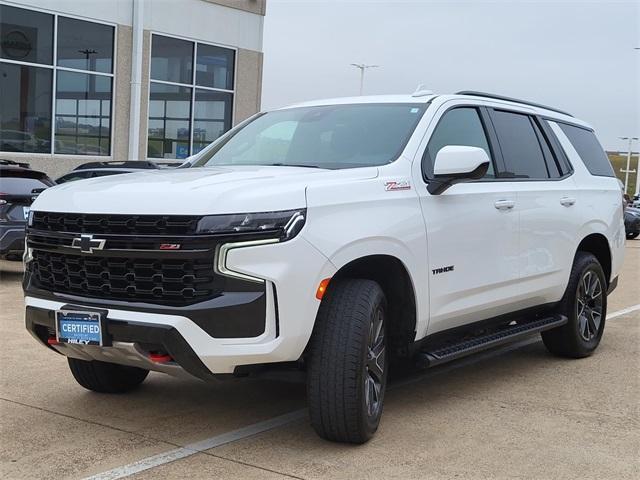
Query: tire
x=347, y=362
x=632, y=235
x=104, y=377
x=581, y=335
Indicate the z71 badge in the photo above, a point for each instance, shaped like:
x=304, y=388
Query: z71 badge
x=392, y=186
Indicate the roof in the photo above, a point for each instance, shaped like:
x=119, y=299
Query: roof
x=421, y=97
x=364, y=99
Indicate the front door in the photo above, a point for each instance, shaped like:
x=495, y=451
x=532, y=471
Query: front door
x=472, y=229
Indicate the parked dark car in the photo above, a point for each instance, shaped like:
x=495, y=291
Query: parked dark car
x=102, y=169
x=632, y=222
x=19, y=186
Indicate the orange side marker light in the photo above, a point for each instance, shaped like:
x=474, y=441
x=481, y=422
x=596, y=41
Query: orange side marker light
x=322, y=288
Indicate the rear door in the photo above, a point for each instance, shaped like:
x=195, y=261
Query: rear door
x=547, y=204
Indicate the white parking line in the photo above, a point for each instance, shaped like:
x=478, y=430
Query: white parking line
x=193, y=448
x=282, y=420
x=624, y=311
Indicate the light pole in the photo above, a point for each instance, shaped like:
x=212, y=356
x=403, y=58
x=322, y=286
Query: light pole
x=627, y=171
x=362, y=68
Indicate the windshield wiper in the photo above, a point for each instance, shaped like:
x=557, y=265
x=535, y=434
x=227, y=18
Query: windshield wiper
x=303, y=165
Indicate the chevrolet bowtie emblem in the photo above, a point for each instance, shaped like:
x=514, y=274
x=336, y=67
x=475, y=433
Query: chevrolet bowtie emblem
x=87, y=244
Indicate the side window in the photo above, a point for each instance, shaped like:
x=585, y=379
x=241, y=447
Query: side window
x=520, y=146
x=589, y=149
x=459, y=126
x=552, y=164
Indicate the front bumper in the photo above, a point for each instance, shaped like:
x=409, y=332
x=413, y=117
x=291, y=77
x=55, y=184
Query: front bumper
x=288, y=316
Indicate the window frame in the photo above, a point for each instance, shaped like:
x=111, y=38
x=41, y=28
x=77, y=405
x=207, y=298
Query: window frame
x=552, y=142
x=492, y=141
x=54, y=68
x=193, y=86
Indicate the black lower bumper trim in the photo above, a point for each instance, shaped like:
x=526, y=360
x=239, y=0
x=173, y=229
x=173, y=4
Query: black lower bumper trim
x=612, y=286
x=228, y=315
x=40, y=323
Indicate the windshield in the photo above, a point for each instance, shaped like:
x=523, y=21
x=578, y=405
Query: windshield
x=335, y=136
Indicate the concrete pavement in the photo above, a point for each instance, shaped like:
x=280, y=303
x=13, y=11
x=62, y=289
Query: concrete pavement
x=523, y=414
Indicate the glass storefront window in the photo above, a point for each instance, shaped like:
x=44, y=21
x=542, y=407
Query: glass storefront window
x=169, y=121
x=25, y=108
x=188, y=111
x=214, y=67
x=171, y=60
x=84, y=45
x=212, y=117
x=82, y=114
x=26, y=35
x=82, y=108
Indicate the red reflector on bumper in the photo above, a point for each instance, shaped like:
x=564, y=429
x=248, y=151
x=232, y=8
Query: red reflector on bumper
x=52, y=341
x=158, y=358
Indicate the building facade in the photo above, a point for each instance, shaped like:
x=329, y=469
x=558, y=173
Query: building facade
x=104, y=80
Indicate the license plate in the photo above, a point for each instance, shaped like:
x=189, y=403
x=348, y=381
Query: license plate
x=25, y=212
x=79, y=327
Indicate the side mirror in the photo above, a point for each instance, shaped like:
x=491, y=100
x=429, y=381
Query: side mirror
x=457, y=164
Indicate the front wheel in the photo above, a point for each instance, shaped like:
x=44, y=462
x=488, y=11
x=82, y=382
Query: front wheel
x=585, y=305
x=347, y=362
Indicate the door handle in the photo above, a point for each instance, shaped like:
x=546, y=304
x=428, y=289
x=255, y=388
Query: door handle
x=567, y=201
x=504, y=204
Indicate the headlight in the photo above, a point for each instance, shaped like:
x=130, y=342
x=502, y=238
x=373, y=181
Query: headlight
x=284, y=224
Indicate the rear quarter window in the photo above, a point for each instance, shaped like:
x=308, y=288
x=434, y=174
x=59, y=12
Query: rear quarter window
x=589, y=149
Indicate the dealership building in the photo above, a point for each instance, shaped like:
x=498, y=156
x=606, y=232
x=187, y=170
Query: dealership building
x=104, y=80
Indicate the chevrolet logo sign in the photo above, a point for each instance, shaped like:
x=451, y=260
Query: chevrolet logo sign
x=87, y=244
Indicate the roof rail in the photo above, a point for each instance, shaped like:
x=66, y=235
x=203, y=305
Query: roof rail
x=142, y=164
x=4, y=161
x=509, y=99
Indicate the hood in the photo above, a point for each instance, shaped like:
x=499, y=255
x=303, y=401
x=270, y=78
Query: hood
x=194, y=191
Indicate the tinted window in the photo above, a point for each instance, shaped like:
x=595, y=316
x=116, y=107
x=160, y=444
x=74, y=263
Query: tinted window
x=335, y=136
x=20, y=185
x=85, y=45
x=589, y=149
x=552, y=164
x=171, y=60
x=460, y=126
x=25, y=108
x=214, y=67
x=83, y=106
x=26, y=36
x=520, y=145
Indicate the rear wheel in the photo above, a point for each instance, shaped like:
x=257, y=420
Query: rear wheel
x=347, y=368
x=632, y=235
x=585, y=305
x=106, y=377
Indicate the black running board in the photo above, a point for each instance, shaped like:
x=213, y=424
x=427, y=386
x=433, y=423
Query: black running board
x=511, y=333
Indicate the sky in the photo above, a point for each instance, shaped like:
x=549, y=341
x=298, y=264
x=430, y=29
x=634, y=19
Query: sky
x=574, y=55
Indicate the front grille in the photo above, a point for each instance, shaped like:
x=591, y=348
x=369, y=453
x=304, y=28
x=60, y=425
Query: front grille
x=115, y=224
x=169, y=281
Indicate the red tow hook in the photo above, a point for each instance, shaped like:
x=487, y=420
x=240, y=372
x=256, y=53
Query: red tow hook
x=52, y=341
x=160, y=358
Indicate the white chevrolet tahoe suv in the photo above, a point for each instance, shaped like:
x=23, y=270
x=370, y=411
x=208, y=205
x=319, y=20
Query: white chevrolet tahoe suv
x=334, y=237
